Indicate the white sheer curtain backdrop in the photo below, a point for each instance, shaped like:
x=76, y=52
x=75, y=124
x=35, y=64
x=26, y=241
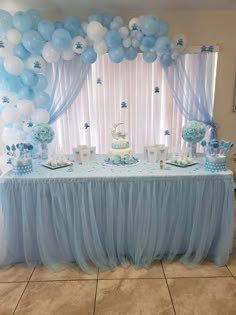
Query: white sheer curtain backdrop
x=147, y=116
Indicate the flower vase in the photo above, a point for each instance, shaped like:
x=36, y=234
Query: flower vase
x=44, y=151
x=193, y=149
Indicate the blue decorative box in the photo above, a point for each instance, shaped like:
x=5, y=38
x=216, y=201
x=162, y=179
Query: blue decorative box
x=22, y=167
x=215, y=163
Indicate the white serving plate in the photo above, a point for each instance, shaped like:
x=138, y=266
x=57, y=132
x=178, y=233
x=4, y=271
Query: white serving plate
x=181, y=165
x=55, y=167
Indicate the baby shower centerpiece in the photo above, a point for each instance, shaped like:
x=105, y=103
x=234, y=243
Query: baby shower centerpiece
x=193, y=132
x=43, y=134
x=20, y=156
x=216, y=154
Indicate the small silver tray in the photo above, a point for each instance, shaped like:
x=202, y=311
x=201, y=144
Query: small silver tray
x=55, y=167
x=181, y=165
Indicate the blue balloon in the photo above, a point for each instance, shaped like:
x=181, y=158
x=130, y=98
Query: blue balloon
x=22, y=21
x=29, y=77
x=149, y=56
x=26, y=93
x=95, y=17
x=20, y=51
x=58, y=24
x=148, y=42
x=5, y=22
x=46, y=28
x=163, y=28
x=89, y=56
x=72, y=25
x=33, y=42
x=61, y=39
x=131, y=53
x=117, y=54
x=162, y=45
x=107, y=19
x=150, y=25
x=166, y=60
x=13, y=83
x=139, y=36
x=42, y=100
x=113, y=39
x=35, y=17
x=42, y=83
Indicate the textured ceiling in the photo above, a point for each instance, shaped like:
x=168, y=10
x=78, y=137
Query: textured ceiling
x=112, y=5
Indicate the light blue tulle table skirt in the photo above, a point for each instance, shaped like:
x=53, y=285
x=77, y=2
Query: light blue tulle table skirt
x=102, y=216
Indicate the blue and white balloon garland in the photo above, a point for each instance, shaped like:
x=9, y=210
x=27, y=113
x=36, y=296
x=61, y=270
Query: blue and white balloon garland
x=28, y=43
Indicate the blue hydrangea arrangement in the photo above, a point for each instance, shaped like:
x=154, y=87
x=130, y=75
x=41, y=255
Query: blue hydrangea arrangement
x=193, y=132
x=42, y=133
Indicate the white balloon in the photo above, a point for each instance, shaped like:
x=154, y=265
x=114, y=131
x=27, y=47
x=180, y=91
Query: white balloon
x=135, y=24
x=6, y=48
x=68, y=54
x=10, y=136
x=26, y=107
x=11, y=114
x=36, y=63
x=89, y=41
x=124, y=32
x=101, y=47
x=14, y=36
x=50, y=54
x=96, y=31
x=79, y=44
x=127, y=42
x=40, y=116
x=13, y=65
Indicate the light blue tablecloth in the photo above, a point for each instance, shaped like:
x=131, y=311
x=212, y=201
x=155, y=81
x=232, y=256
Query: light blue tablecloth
x=103, y=216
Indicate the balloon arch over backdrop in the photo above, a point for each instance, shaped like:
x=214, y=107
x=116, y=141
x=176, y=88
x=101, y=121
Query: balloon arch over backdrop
x=30, y=45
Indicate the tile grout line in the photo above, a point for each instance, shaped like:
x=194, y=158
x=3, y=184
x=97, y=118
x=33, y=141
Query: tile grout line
x=232, y=275
x=95, y=298
x=24, y=290
x=168, y=288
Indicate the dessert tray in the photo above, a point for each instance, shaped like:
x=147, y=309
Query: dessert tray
x=56, y=167
x=181, y=164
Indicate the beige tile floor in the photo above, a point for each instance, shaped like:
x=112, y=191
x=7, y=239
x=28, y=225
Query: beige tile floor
x=163, y=289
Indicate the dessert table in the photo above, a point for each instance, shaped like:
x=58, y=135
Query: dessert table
x=102, y=216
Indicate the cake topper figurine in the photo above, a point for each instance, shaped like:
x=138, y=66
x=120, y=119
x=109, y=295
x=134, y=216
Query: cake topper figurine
x=117, y=134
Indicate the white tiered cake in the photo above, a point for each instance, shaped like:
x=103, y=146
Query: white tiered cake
x=120, y=154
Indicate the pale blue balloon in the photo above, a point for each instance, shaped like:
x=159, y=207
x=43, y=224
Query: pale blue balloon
x=131, y=53
x=166, y=60
x=95, y=17
x=42, y=83
x=26, y=93
x=89, y=56
x=107, y=19
x=29, y=78
x=163, y=28
x=58, y=24
x=61, y=39
x=35, y=17
x=150, y=25
x=13, y=83
x=149, y=56
x=33, y=42
x=116, y=54
x=22, y=21
x=162, y=45
x=41, y=100
x=5, y=22
x=46, y=28
x=139, y=36
x=20, y=51
x=135, y=43
x=113, y=39
x=72, y=25
x=148, y=42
